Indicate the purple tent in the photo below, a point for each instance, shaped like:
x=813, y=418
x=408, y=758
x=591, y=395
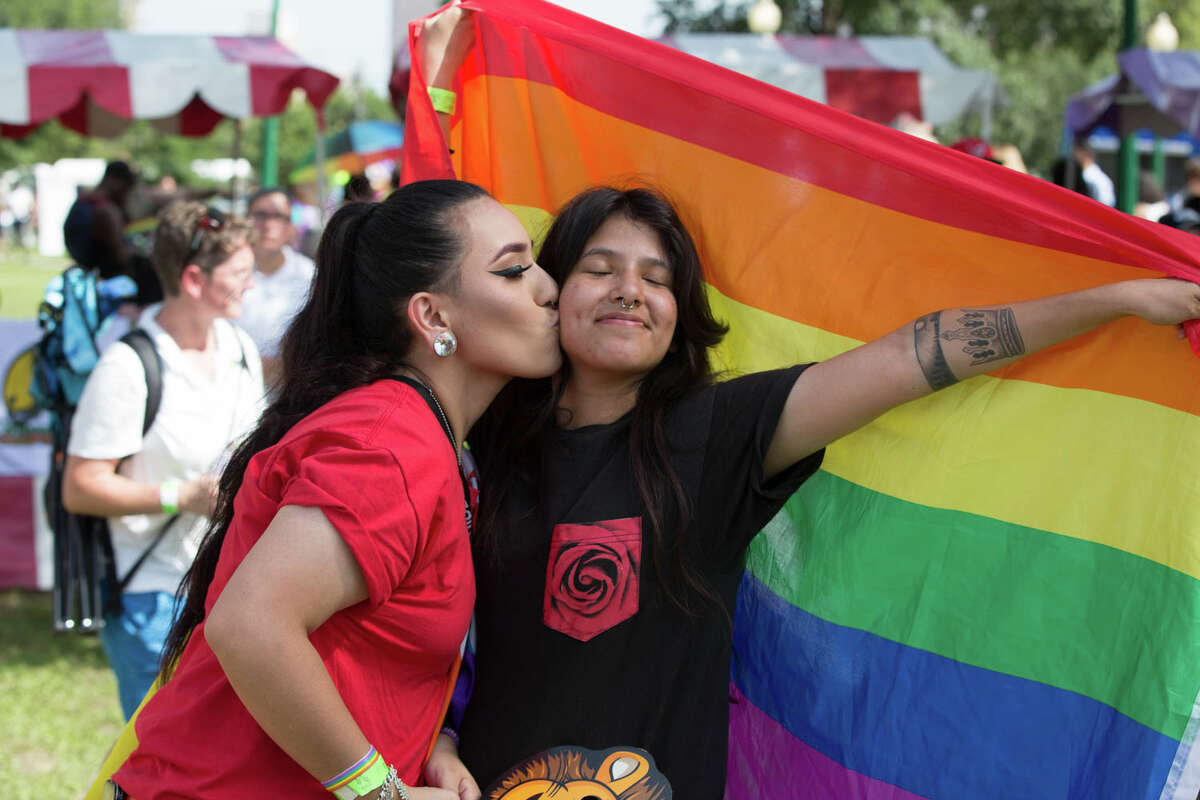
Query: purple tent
x=1159, y=91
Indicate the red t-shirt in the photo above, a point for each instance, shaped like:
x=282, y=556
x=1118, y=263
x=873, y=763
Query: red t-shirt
x=377, y=462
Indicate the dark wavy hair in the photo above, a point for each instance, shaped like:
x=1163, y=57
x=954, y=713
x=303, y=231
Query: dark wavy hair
x=352, y=331
x=514, y=431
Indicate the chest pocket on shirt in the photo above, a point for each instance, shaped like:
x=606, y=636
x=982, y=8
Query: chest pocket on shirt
x=592, y=577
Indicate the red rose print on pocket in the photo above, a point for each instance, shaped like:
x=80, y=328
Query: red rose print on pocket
x=592, y=576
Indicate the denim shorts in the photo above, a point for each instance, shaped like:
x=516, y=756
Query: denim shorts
x=133, y=642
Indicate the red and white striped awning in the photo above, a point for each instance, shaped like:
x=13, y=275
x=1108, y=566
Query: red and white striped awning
x=876, y=77
x=96, y=82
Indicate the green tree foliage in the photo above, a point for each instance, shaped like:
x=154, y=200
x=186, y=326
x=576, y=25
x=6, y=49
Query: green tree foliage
x=79, y=14
x=1042, y=53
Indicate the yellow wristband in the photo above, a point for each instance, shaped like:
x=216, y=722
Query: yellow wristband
x=366, y=780
x=444, y=100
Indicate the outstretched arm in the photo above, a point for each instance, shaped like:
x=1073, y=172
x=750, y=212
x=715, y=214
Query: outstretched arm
x=838, y=396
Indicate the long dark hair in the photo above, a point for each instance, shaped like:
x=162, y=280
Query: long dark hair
x=523, y=415
x=371, y=259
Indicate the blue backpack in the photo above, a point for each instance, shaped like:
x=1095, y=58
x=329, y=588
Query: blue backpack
x=76, y=309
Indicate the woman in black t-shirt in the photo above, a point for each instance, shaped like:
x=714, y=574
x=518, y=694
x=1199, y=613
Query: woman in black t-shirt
x=618, y=498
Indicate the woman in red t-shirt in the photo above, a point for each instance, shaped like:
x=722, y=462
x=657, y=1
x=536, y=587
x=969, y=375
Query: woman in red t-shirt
x=328, y=602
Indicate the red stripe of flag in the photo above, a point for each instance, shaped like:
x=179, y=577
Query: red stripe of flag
x=707, y=105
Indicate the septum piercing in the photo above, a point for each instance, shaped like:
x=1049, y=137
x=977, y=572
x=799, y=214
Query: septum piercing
x=632, y=305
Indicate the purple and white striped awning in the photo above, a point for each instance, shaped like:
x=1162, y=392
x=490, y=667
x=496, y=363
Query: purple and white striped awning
x=1158, y=91
x=96, y=82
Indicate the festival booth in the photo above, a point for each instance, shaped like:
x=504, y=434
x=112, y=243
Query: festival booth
x=875, y=77
x=1153, y=90
x=97, y=83
x=362, y=144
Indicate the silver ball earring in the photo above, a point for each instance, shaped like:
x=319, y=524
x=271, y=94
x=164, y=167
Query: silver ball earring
x=444, y=344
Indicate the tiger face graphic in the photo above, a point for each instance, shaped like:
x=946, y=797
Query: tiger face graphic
x=575, y=773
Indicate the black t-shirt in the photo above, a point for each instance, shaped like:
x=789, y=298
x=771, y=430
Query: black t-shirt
x=578, y=643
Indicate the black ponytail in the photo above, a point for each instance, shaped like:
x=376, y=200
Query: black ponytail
x=371, y=259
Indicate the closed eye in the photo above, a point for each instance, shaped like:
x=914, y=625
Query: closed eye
x=511, y=272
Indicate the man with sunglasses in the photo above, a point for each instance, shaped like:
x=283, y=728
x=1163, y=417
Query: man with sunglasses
x=282, y=276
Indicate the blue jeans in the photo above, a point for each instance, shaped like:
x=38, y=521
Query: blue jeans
x=134, y=641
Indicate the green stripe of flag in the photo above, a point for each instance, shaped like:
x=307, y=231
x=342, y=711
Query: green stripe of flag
x=1069, y=613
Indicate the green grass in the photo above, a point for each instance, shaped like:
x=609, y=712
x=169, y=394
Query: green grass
x=60, y=711
x=23, y=276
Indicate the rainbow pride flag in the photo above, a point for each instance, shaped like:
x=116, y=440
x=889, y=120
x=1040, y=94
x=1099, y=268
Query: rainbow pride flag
x=989, y=593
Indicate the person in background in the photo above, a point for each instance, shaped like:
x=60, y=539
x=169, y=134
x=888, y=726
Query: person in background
x=94, y=233
x=1099, y=185
x=358, y=190
x=908, y=123
x=1152, y=201
x=1191, y=185
x=95, y=224
x=306, y=218
x=974, y=146
x=1010, y=156
x=1186, y=218
x=211, y=396
x=282, y=277
x=21, y=203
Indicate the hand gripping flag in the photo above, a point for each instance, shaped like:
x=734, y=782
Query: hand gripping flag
x=988, y=593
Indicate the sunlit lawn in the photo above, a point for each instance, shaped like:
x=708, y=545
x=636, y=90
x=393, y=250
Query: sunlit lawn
x=23, y=276
x=60, y=713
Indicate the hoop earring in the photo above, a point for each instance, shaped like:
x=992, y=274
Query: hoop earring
x=444, y=344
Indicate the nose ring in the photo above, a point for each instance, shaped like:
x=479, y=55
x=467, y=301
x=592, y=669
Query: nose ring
x=632, y=304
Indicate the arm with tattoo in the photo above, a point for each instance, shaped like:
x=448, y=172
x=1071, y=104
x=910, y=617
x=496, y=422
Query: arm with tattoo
x=984, y=335
x=937, y=350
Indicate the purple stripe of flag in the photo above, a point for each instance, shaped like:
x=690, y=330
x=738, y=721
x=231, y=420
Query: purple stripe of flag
x=756, y=740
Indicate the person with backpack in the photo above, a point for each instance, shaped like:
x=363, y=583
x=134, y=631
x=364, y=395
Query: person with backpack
x=156, y=484
x=94, y=233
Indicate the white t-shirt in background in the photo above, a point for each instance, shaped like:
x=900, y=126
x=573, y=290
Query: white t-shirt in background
x=197, y=423
x=270, y=304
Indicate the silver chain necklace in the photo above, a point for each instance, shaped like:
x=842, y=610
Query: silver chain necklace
x=441, y=412
x=444, y=420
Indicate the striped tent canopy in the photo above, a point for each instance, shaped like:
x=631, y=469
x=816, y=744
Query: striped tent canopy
x=992, y=592
x=96, y=82
x=1155, y=91
x=876, y=77
x=363, y=142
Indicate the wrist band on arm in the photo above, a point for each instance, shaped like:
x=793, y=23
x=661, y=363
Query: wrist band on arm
x=444, y=100
x=360, y=778
x=168, y=497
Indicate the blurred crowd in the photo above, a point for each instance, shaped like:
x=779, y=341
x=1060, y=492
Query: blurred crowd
x=1080, y=171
